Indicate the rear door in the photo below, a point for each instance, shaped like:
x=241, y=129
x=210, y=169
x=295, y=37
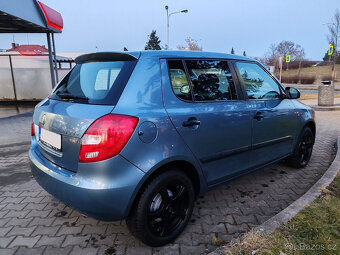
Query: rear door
x=203, y=102
x=273, y=117
x=87, y=93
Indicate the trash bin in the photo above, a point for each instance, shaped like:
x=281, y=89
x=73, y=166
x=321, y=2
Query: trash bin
x=326, y=94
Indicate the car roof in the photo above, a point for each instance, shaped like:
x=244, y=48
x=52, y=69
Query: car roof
x=130, y=55
x=189, y=54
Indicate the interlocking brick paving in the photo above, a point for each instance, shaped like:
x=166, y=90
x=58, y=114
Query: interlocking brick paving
x=29, y=222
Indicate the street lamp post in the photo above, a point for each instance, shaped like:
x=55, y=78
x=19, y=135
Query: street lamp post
x=168, y=22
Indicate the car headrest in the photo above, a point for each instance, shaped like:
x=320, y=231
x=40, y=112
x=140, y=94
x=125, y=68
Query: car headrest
x=206, y=82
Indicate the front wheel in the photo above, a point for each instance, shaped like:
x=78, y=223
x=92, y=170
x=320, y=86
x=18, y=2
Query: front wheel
x=303, y=150
x=163, y=209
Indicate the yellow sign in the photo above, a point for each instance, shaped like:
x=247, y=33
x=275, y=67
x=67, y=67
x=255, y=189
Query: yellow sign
x=330, y=49
x=288, y=58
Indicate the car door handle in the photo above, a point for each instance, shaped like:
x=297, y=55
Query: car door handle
x=191, y=122
x=258, y=116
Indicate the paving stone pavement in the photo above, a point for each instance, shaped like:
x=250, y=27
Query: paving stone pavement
x=29, y=225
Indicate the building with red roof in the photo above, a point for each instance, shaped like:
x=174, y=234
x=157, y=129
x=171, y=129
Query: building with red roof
x=33, y=49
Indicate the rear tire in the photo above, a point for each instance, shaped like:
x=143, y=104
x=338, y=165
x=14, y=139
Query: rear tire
x=163, y=209
x=303, y=149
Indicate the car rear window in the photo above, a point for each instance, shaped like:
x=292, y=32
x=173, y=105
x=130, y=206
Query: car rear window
x=95, y=82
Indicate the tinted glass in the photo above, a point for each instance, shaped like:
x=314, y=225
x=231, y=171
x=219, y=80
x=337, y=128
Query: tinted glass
x=179, y=81
x=211, y=80
x=99, y=82
x=257, y=82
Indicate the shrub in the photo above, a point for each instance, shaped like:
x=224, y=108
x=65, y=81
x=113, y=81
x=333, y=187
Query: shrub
x=327, y=77
x=290, y=79
x=307, y=79
x=295, y=64
x=285, y=79
x=295, y=79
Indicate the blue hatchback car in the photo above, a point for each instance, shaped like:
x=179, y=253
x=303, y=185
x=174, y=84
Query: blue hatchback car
x=139, y=135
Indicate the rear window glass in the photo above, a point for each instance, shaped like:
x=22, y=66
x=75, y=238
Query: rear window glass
x=95, y=82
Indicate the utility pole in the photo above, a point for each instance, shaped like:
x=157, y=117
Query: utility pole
x=335, y=55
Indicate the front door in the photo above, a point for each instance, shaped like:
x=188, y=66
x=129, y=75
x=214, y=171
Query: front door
x=273, y=116
x=202, y=101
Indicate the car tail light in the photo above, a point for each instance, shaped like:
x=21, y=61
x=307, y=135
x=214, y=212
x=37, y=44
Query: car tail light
x=106, y=137
x=32, y=129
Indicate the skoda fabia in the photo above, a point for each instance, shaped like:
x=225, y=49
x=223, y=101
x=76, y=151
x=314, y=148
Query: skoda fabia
x=139, y=135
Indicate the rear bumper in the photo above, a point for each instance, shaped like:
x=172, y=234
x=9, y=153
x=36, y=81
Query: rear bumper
x=103, y=190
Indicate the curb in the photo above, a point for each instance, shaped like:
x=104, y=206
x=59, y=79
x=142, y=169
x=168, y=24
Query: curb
x=293, y=209
x=315, y=191
x=325, y=108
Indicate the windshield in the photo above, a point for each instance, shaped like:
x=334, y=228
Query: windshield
x=95, y=82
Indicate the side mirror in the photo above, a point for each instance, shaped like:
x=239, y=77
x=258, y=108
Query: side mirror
x=185, y=89
x=292, y=93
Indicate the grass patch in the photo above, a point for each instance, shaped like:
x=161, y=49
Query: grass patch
x=314, y=231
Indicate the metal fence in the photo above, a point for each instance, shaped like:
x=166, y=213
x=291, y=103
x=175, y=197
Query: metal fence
x=25, y=77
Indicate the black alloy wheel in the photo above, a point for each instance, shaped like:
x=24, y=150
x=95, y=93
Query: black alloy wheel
x=162, y=209
x=306, y=148
x=168, y=209
x=303, y=149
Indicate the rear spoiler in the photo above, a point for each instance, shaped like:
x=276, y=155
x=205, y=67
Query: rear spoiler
x=107, y=56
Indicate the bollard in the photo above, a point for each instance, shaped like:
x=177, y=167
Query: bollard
x=326, y=94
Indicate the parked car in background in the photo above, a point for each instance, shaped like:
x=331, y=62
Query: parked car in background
x=322, y=63
x=139, y=135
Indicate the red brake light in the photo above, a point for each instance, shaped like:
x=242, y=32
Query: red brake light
x=32, y=129
x=106, y=137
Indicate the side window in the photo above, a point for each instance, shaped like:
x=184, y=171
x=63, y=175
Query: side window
x=211, y=80
x=178, y=79
x=258, y=83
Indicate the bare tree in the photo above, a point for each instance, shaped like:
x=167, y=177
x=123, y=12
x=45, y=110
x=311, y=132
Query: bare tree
x=271, y=56
x=191, y=45
x=287, y=48
x=333, y=37
x=299, y=56
x=284, y=48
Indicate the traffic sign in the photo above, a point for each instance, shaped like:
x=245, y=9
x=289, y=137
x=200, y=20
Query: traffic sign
x=330, y=50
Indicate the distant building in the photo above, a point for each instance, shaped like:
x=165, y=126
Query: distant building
x=29, y=49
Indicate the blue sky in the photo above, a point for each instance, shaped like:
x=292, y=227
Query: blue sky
x=250, y=25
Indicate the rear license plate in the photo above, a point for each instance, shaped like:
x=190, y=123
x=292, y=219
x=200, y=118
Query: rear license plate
x=50, y=139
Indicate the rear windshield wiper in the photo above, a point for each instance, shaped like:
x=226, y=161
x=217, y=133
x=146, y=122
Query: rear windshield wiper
x=70, y=96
